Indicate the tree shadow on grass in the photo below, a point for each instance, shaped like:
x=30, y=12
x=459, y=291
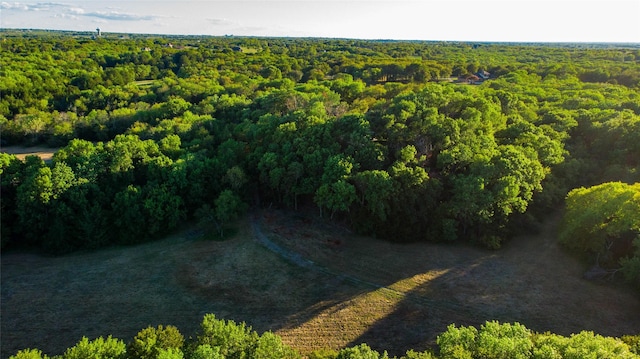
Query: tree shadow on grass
x=408, y=294
x=392, y=296
x=501, y=287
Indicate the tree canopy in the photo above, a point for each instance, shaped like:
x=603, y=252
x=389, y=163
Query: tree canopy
x=387, y=136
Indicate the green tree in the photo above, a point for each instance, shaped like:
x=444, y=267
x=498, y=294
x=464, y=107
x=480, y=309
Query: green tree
x=150, y=342
x=206, y=351
x=458, y=343
x=228, y=207
x=504, y=341
x=603, y=220
x=270, y=346
x=100, y=348
x=374, y=189
x=235, y=341
x=171, y=353
x=362, y=351
x=411, y=354
x=337, y=196
x=33, y=198
x=29, y=354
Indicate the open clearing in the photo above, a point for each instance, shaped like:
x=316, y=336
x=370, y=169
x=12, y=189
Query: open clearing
x=324, y=288
x=21, y=152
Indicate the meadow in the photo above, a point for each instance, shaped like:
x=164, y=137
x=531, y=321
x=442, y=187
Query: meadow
x=317, y=285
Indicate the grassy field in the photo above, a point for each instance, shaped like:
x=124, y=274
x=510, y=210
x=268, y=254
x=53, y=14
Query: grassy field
x=355, y=290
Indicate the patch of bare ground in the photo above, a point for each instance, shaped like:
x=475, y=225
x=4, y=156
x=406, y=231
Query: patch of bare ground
x=356, y=289
x=22, y=152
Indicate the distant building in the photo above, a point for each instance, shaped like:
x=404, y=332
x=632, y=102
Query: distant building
x=483, y=75
x=472, y=79
x=98, y=32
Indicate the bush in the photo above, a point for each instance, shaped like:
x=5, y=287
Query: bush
x=457, y=343
x=170, y=353
x=419, y=355
x=221, y=339
x=234, y=340
x=149, y=342
x=271, y=346
x=323, y=354
x=29, y=354
x=582, y=345
x=492, y=341
x=361, y=351
x=504, y=341
x=589, y=345
x=206, y=351
x=633, y=341
x=99, y=348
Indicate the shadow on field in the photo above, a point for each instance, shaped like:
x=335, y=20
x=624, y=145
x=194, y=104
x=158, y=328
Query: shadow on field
x=414, y=291
x=352, y=289
x=530, y=281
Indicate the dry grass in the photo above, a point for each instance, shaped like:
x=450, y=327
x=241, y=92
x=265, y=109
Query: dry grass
x=392, y=296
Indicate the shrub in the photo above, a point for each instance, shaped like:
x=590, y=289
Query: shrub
x=271, y=346
x=29, y=354
x=633, y=341
x=457, y=343
x=419, y=355
x=234, y=340
x=582, y=345
x=99, y=348
x=504, y=341
x=148, y=343
x=323, y=354
x=361, y=351
x=589, y=345
x=170, y=353
x=206, y=351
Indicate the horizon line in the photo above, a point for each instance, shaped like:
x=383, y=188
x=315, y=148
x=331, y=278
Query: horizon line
x=327, y=38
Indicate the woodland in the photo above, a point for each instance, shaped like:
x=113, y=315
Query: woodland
x=461, y=143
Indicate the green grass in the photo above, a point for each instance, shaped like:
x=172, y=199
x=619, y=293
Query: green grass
x=392, y=296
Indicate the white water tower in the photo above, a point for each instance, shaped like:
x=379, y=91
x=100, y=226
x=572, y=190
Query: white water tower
x=98, y=31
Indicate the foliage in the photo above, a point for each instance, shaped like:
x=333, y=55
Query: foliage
x=323, y=354
x=457, y=342
x=220, y=339
x=100, y=348
x=605, y=220
x=495, y=340
x=633, y=341
x=582, y=345
x=375, y=133
x=362, y=351
x=411, y=354
x=234, y=340
x=29, y=354
x=151, y=342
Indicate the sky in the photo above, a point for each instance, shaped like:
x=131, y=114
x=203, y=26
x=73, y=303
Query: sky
x=438, y=20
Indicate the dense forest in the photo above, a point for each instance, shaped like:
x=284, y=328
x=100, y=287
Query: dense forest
x=407, y=141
